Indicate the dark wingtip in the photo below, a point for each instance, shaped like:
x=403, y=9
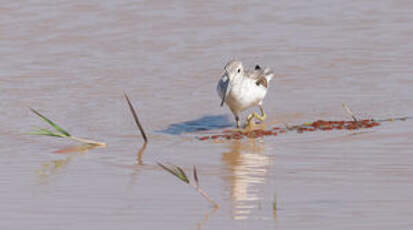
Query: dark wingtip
x=223, y=100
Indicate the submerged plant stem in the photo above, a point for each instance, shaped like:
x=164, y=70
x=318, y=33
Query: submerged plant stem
x=348, y=110
x=205, y=195
x=140, y=153
x=180, y=174
x=87, y=141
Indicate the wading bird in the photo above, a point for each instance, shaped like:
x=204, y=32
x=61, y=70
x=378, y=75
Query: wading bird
x=241, y=89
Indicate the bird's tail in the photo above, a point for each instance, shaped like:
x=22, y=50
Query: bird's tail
x=268, y=73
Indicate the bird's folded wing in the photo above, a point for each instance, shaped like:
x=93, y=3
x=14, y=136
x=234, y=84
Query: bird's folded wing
x=261, y=76
x=255, y=74
x=262, y=81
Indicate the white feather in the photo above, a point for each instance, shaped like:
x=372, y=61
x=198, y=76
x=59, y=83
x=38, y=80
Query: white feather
x=244, y=91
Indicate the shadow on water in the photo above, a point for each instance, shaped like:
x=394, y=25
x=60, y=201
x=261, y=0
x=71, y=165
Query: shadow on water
x=204, y=123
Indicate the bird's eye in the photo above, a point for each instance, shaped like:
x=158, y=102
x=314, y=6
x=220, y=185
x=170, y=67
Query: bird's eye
x=239, y=70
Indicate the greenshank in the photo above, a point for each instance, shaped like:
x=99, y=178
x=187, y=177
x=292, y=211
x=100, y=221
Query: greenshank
x=241, y=89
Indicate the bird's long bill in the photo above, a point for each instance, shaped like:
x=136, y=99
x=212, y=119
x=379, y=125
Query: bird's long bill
x=227, y=89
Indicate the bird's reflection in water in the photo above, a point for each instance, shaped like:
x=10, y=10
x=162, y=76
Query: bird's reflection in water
x=248, y=168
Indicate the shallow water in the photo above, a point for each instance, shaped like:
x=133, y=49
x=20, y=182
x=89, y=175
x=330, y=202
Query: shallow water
x=73, y=60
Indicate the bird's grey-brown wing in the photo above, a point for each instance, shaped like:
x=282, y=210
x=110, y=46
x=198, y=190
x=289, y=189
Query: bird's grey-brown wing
x=262, y=81
x=258, y=74
x=222, y=88
x=255, y=73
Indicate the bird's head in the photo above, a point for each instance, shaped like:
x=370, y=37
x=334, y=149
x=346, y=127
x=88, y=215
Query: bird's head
x=233, y=70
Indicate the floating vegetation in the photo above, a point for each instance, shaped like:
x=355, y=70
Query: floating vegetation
x=61, y=133
x=319, y=125
x=306, y=127
x=181, y=175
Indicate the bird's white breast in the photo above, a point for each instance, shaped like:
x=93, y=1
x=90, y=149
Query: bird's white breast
x=245, y=94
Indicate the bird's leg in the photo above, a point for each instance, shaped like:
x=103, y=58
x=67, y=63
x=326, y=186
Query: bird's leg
x=261, y=117
x=238, y=121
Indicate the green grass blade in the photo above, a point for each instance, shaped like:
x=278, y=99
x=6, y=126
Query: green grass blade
x=176, y=172
x=196, y=177
x=167, y=169
x=182, y=175
x=58, y=128
x=46, y=132
x=274, y=203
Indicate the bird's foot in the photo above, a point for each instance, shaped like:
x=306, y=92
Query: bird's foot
x=250, y=121
x=253, y=115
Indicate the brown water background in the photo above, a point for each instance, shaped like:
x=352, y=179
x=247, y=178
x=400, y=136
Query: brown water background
x=72, y=60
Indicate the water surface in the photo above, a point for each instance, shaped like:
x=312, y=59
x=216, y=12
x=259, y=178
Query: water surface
x=72, y=60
